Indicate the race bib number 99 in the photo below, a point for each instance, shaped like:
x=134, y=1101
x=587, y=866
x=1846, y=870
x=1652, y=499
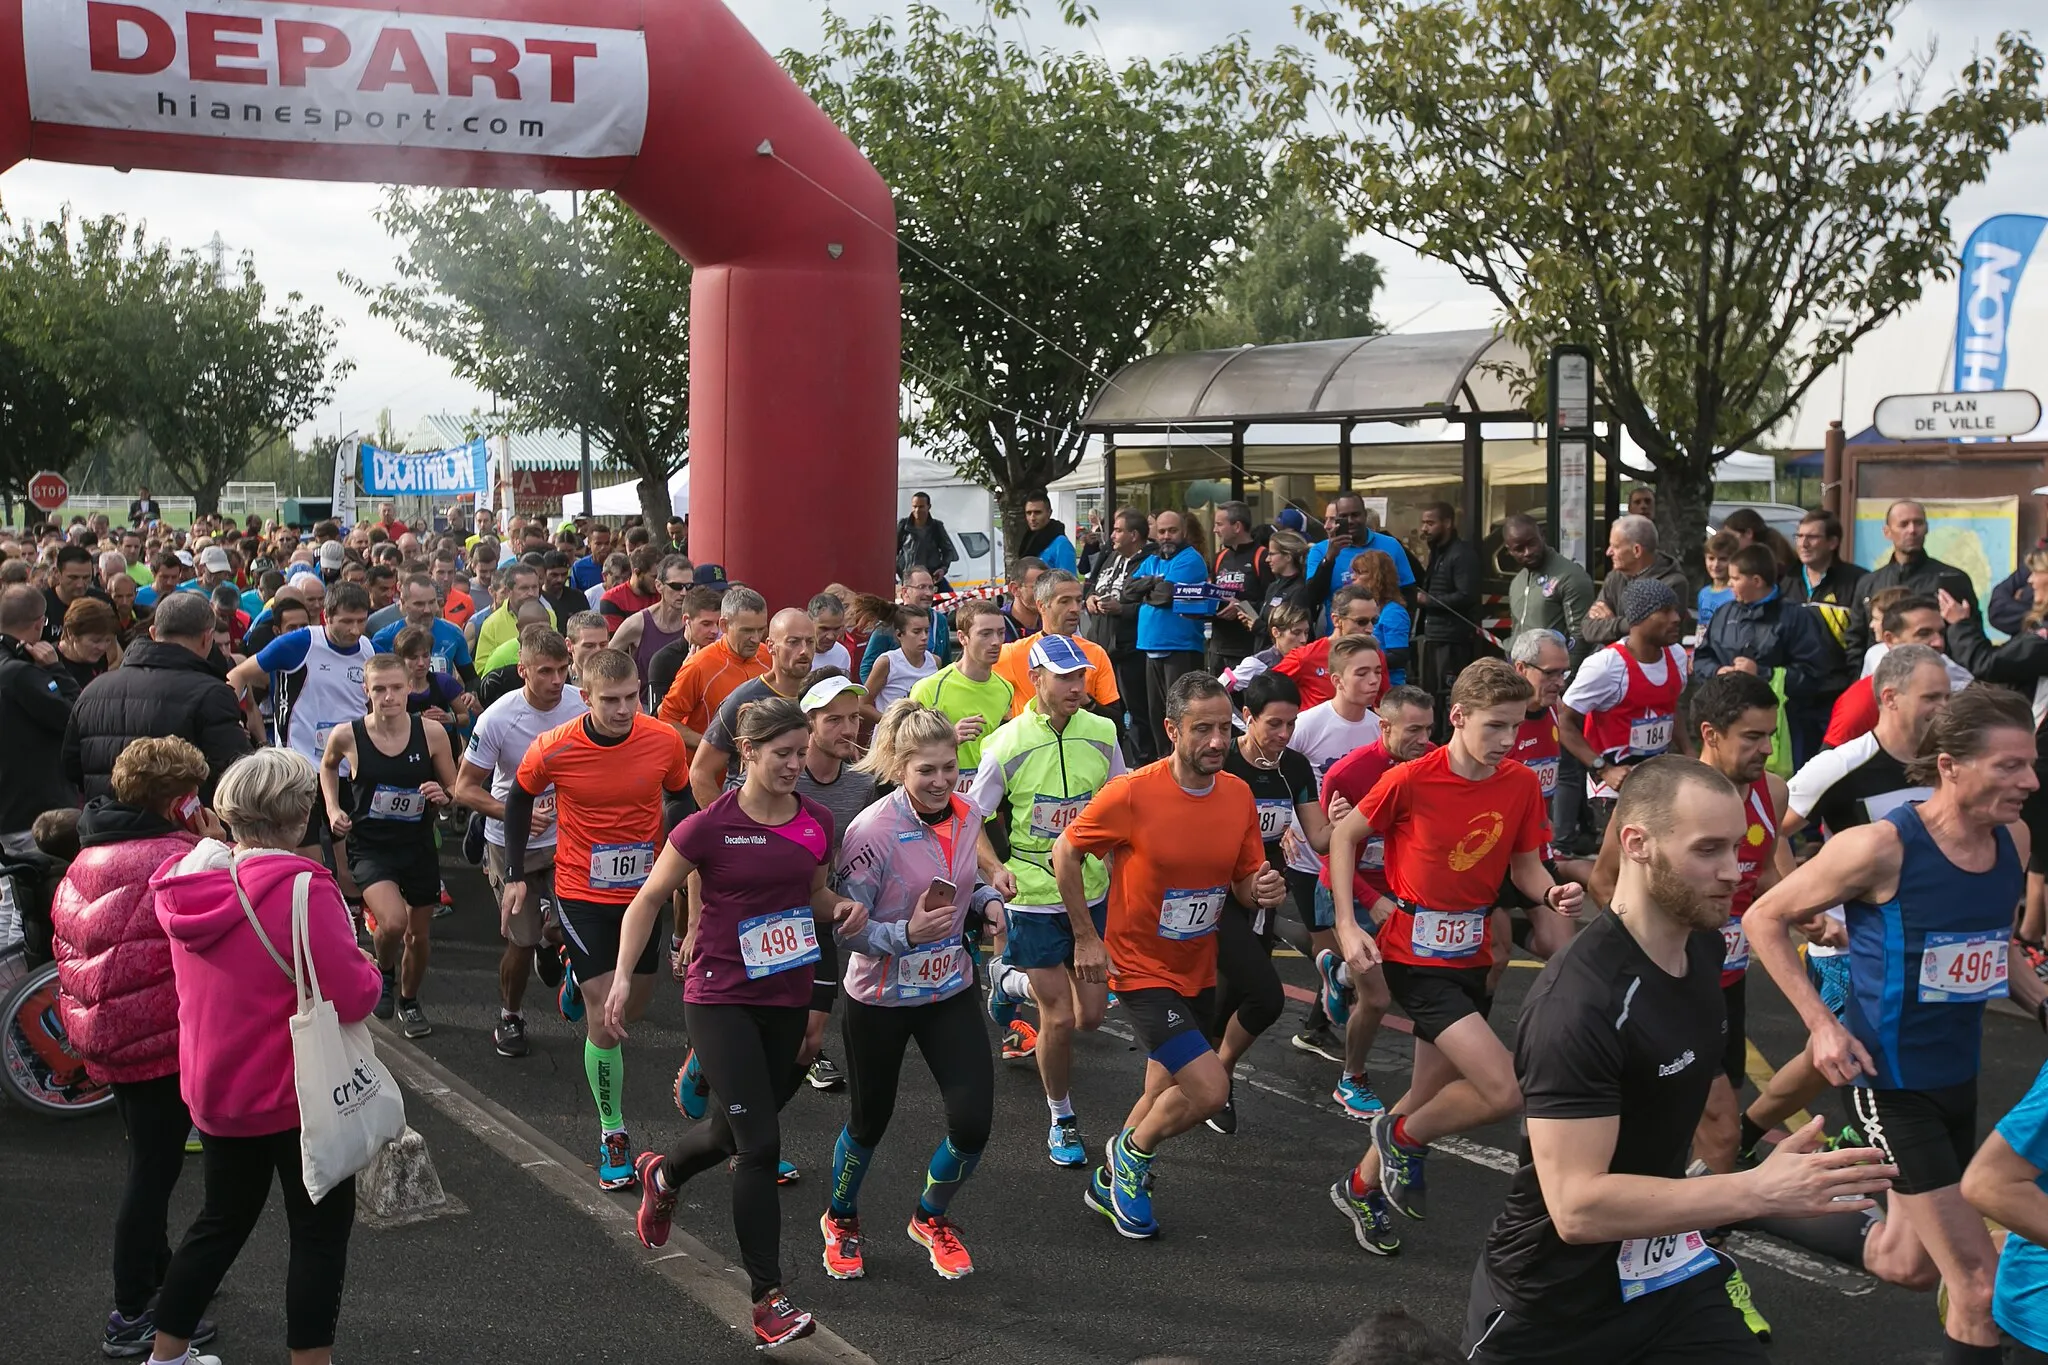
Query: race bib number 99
x=1190, y=914
x=398, y=803
x=1962, y=969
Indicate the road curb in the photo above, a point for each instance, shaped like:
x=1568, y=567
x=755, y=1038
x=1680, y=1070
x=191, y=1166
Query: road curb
x=685, y=1262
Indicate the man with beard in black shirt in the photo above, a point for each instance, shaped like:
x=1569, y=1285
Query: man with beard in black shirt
x=1600, y=1253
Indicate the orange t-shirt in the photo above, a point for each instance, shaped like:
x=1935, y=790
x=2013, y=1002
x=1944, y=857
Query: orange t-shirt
x=1166, y=893
x=1450, y=862
x=1013, y=665
x=458, y=608
x=705, y=680
x=607, y=803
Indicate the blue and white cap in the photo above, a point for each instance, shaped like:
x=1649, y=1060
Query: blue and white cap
x=1059, y=653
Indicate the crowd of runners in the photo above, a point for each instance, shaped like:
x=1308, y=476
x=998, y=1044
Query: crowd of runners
x=904, y=816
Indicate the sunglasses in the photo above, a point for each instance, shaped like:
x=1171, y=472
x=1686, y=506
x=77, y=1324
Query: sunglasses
x=678, y=587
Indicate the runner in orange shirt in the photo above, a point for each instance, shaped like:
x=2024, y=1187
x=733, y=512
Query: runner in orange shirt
x=1185, y=837
x=609, y=770
x=1059, y=613
x=709, y=676
x=1456, y=822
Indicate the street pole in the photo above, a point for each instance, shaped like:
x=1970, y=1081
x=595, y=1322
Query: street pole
x=575, y=216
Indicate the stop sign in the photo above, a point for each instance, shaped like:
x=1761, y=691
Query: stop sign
x=48, y=491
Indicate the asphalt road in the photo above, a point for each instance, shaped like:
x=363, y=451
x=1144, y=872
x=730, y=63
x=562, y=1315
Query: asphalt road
x=1253, y=1265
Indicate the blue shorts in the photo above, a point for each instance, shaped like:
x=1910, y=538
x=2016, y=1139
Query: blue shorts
x=1830, y=976
x=1323, y=916
x=1039, y=940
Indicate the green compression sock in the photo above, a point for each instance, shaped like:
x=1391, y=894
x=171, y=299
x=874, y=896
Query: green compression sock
x=605, y=1067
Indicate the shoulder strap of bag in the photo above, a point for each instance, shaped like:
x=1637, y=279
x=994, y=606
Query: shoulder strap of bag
x=308, y=978
x=257, y=925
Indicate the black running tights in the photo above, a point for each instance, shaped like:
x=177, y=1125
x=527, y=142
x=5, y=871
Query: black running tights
x=157, y=1122
x=239, y=1171
x=955, y=1047
x=1248, y=986
x=748, y=1053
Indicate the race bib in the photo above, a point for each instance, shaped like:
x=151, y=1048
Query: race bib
x=1275, y=815
x=778, y=942
x=964, y=781
x=398, y=803
x=930, y=971
x=1372, y=854
x=1649, y=736
x=1447, y=933
x=544, y=809
x=441, y=663
x=1190, y=914
x=613, y=866
x=1648, y=1264
x=1050, y=815
x=1963, y=969
x=321, y=730
x=1734, y=947
x=1546, y=773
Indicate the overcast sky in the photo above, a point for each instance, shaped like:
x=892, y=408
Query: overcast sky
x=303, y=232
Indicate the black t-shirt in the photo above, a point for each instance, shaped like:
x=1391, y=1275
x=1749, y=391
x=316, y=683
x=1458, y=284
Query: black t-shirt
x=1241, y=570
x=662, y=669
x=1291, y=784
x=1854, y=784
x=1605, y=1033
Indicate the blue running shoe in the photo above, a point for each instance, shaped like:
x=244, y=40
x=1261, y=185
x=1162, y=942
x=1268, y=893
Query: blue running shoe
x=1370, y=1219
x=1336, y=998
x=1402, y=1178
x=1130, y=1190
x=1063, y=1143
x=786, y=1173
x=570, y=997
x=1354, y=1095
x=693, y=1092
x=1002, y=1006
x=615, y=1162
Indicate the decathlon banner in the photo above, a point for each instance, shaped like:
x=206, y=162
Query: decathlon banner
x=1993, y=260
x=338, y=74
x=437, y=473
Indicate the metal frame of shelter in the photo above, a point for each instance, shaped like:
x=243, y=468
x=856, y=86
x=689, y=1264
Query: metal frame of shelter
x=1465, y=377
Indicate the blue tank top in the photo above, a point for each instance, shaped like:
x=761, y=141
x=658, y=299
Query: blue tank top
x=1925, y=1034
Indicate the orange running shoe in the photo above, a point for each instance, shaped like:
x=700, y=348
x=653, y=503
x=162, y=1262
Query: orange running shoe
x=1020, y=1041
x=942, y=1239
x=842, y=1246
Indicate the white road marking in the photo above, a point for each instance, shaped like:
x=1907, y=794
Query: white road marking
x=689, y=1265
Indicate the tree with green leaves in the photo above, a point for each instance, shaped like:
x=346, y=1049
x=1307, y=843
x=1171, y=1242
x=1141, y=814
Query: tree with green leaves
x=44, y=424
x=1718, y=196
x=577, y=323
x=1297, y=279
x=148, y=337
x=1055, y=212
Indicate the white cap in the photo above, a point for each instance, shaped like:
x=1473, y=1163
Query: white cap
x=213, y=559
x=825, y=690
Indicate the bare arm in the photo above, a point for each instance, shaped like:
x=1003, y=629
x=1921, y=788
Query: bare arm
x=1571, y=734
x=1346, y=837
x=1607, y=867
x=248, y=676
x=1315, y=825
x=878, y=678
x=473, y=789
x=708, y=768
x=341, y=744
x=2000, y=1185
x=1091, y=959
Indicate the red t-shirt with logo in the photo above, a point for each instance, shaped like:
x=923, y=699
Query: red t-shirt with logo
x=1449, y=843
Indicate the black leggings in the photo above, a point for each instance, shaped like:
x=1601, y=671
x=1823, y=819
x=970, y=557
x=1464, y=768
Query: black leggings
x=238, y=1175
x=955, y=1046
x=748, y=1053
x=1247, y=986
x=157, y=1122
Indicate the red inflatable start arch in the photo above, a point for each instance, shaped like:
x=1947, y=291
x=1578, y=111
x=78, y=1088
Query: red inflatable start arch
x=795, y=322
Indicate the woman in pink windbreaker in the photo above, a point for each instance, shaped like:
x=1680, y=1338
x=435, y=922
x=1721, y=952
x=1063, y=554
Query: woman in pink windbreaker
x=235, y=1052
x=120, y=1005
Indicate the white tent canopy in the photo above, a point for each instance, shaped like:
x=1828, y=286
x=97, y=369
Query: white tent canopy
x=623, y=499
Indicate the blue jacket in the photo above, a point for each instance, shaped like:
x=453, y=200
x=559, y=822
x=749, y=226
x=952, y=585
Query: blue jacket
x=1775, y=634
x=1165, y=630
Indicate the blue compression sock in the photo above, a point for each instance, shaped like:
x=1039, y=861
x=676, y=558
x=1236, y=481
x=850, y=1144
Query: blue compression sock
x=942, y=1180
x=849, y=1167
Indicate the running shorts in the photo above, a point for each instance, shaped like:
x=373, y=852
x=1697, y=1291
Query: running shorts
x=825, y=974
x=1829, y=974
x=1434, y=998
x=526, y=927
x=1039, y=940
x=1169, y=1024
x=1689, y=1321
x=1735, y=1047
x=1930, y=1135
x=592, y=932
x=416, y=869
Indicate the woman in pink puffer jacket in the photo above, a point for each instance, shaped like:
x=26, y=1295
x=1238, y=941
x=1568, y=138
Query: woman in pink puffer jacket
x=120, y=1004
